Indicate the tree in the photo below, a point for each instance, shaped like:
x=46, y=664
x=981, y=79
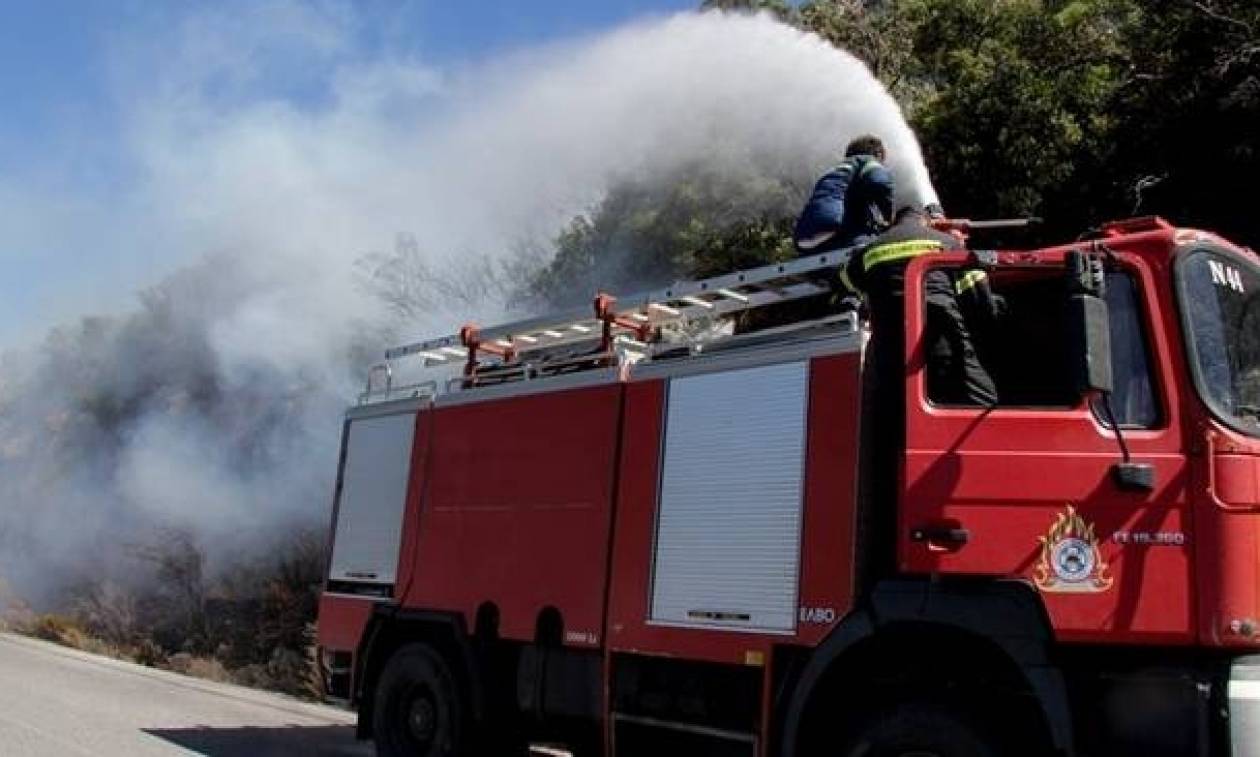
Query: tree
x=1191, y=112
x=1019, y=119
x=877, y=34
x=178, y=607
x=699, y=220
x=778, y=8
x=1077, y=110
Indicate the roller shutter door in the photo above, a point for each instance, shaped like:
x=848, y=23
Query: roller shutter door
x=373, y=491
x=729, y=519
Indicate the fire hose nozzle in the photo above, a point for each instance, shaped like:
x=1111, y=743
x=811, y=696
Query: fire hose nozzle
x=967, y=225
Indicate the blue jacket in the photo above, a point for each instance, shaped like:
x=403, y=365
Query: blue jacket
x=853, y=200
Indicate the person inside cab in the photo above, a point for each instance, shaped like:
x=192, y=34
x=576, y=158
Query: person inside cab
x=956, y=301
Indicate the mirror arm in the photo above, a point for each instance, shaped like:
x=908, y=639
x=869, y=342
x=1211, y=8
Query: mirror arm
x=1111, y=418
x=1129, y=476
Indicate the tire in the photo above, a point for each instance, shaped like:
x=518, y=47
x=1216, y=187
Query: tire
x=918, y=730
x=418, y=710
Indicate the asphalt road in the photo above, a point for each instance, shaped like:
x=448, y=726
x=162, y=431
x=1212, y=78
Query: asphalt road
x=59, y=702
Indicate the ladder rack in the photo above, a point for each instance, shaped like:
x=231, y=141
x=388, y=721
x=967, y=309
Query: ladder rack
x=633, y=318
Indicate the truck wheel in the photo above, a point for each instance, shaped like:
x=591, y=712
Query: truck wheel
x=917, y=730
x=418, y=711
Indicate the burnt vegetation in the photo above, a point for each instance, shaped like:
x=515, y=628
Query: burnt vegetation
x=253, y=624
x=161, y=506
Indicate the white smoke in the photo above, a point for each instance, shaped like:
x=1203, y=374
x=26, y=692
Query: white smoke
x=232, y=375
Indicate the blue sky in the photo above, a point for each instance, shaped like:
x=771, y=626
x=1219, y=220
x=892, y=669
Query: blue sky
x=74, y=76
x=55, y=54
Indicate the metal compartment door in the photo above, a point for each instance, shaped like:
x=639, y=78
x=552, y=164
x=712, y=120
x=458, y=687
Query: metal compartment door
x=729, y=519
x=374, y=475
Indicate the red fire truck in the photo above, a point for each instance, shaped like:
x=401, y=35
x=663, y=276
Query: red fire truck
x=627, y=534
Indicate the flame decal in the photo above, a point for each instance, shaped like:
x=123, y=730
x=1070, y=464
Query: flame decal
x=1070, y=558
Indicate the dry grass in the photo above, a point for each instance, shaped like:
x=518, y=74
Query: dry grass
x=286, y=671
x=67, y=631
x=253, y=626
x=200, y=667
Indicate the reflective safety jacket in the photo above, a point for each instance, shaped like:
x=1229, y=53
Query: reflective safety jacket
x=893, y=249
x=850, y=203
x=961, y=310
x=896, y=247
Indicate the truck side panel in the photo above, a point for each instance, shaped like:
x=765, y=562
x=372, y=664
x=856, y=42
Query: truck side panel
x=831, y=474
x=825, y=589
x=342, y=620
x=515, y=508
x=417, y=478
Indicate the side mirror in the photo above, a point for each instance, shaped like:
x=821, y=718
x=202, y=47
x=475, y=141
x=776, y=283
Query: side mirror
x=1088, y=324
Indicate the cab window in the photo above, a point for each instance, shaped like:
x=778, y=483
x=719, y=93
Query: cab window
x=1020, y=343
x=1133, y=392
x=1023, y=345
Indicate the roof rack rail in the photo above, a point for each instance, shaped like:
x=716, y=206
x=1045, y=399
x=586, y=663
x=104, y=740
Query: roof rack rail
x=619, y=319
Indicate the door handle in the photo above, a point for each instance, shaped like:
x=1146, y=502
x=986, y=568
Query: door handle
x=941, y=538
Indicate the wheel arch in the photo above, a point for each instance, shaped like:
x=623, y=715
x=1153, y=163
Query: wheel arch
x=391, y=628
x=1004, y=618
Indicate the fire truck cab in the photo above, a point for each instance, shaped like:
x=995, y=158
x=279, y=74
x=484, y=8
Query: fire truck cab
x=623, y=534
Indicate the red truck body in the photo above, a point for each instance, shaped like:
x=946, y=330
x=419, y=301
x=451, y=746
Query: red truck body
x=675, y=554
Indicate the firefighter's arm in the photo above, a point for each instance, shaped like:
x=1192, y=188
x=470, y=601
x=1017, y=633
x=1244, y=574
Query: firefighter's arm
x=851, y=277
x=846, y=293
x=846, y=284
x=883, y=190
x=973, y=284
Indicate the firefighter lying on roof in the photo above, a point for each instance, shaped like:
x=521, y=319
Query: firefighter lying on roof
x=850, y=204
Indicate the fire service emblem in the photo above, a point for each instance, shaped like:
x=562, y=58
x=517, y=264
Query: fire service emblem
x=1070, y=560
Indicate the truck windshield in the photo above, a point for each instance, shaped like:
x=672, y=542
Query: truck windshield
x=1220, y=303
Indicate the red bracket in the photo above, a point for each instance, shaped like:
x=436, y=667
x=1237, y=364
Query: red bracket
x=470, y=336
x=958, y=228
x=604, y=304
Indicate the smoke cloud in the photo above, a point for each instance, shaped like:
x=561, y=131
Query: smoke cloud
x=214, y=403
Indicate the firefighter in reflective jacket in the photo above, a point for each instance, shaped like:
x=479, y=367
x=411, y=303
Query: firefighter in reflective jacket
x=954, y=301
x=955, y=374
